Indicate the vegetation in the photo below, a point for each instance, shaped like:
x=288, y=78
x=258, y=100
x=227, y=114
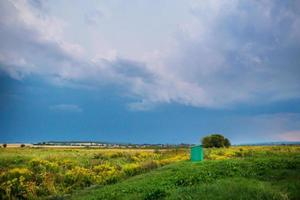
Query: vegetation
x=215, y=140
x=256, y=173
x=247, y=172
x=29, y=173
x=258, y=178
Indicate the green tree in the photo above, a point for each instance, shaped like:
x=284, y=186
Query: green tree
x=227, y=142
x=215, y=140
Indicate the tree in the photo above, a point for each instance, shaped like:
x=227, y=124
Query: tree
x=215, y=140
x=22, y=145
x=227, y=143
x=4, y=145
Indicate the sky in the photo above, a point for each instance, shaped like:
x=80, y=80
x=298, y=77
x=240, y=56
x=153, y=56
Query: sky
x=145, y=71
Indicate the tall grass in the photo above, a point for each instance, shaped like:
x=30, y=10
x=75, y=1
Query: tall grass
x=276, y=177
x=27, y=173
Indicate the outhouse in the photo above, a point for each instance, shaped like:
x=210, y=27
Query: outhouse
x=197, y=153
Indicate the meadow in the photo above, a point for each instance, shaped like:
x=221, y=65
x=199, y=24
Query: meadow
x=271, y=172
x=31, y=173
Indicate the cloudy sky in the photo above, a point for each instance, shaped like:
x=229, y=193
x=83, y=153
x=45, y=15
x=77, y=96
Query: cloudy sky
x=167, y=71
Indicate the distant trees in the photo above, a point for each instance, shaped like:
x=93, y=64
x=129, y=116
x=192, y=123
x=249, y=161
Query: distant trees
x=22, y=145
x=215, y=140
x=4, y=145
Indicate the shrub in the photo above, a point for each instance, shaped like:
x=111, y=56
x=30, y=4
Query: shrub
x=106, y=173
x=16, y=173
x=17, y=183
x=131, y=169
x=79, y=177
x=227, y=142
x=39, y=165
x=66, y=163
x=49, y=185
x=18, y=188
x=215, y=140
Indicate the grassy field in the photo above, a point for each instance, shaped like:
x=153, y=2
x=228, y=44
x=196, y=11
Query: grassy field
x=31, y=173
x=233, y=173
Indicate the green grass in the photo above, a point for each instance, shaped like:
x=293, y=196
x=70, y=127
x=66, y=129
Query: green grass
x=250, y=178
x=34, y=173
x=244, y=172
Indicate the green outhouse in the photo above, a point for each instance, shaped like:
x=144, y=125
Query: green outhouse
x=197, y=153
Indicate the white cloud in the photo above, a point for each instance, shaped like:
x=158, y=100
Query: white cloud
x=292, y=136
x=235, y=52
x=66, y=108
x=269, y=127
x=33, y=39
x=226, y=53
x=93, y=17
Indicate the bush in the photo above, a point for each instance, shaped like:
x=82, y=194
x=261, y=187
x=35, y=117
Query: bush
x=215, y=140
x=17, y=183
x=39, y=166
x=106, y=173
x=227, y=142
x=79, y=177
x=17, y=173
x=131, y=169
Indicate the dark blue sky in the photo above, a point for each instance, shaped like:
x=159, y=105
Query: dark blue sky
x=28, y=114
x=168, y=71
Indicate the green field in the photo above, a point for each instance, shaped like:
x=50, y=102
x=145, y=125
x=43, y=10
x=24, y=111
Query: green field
x=226, y=173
